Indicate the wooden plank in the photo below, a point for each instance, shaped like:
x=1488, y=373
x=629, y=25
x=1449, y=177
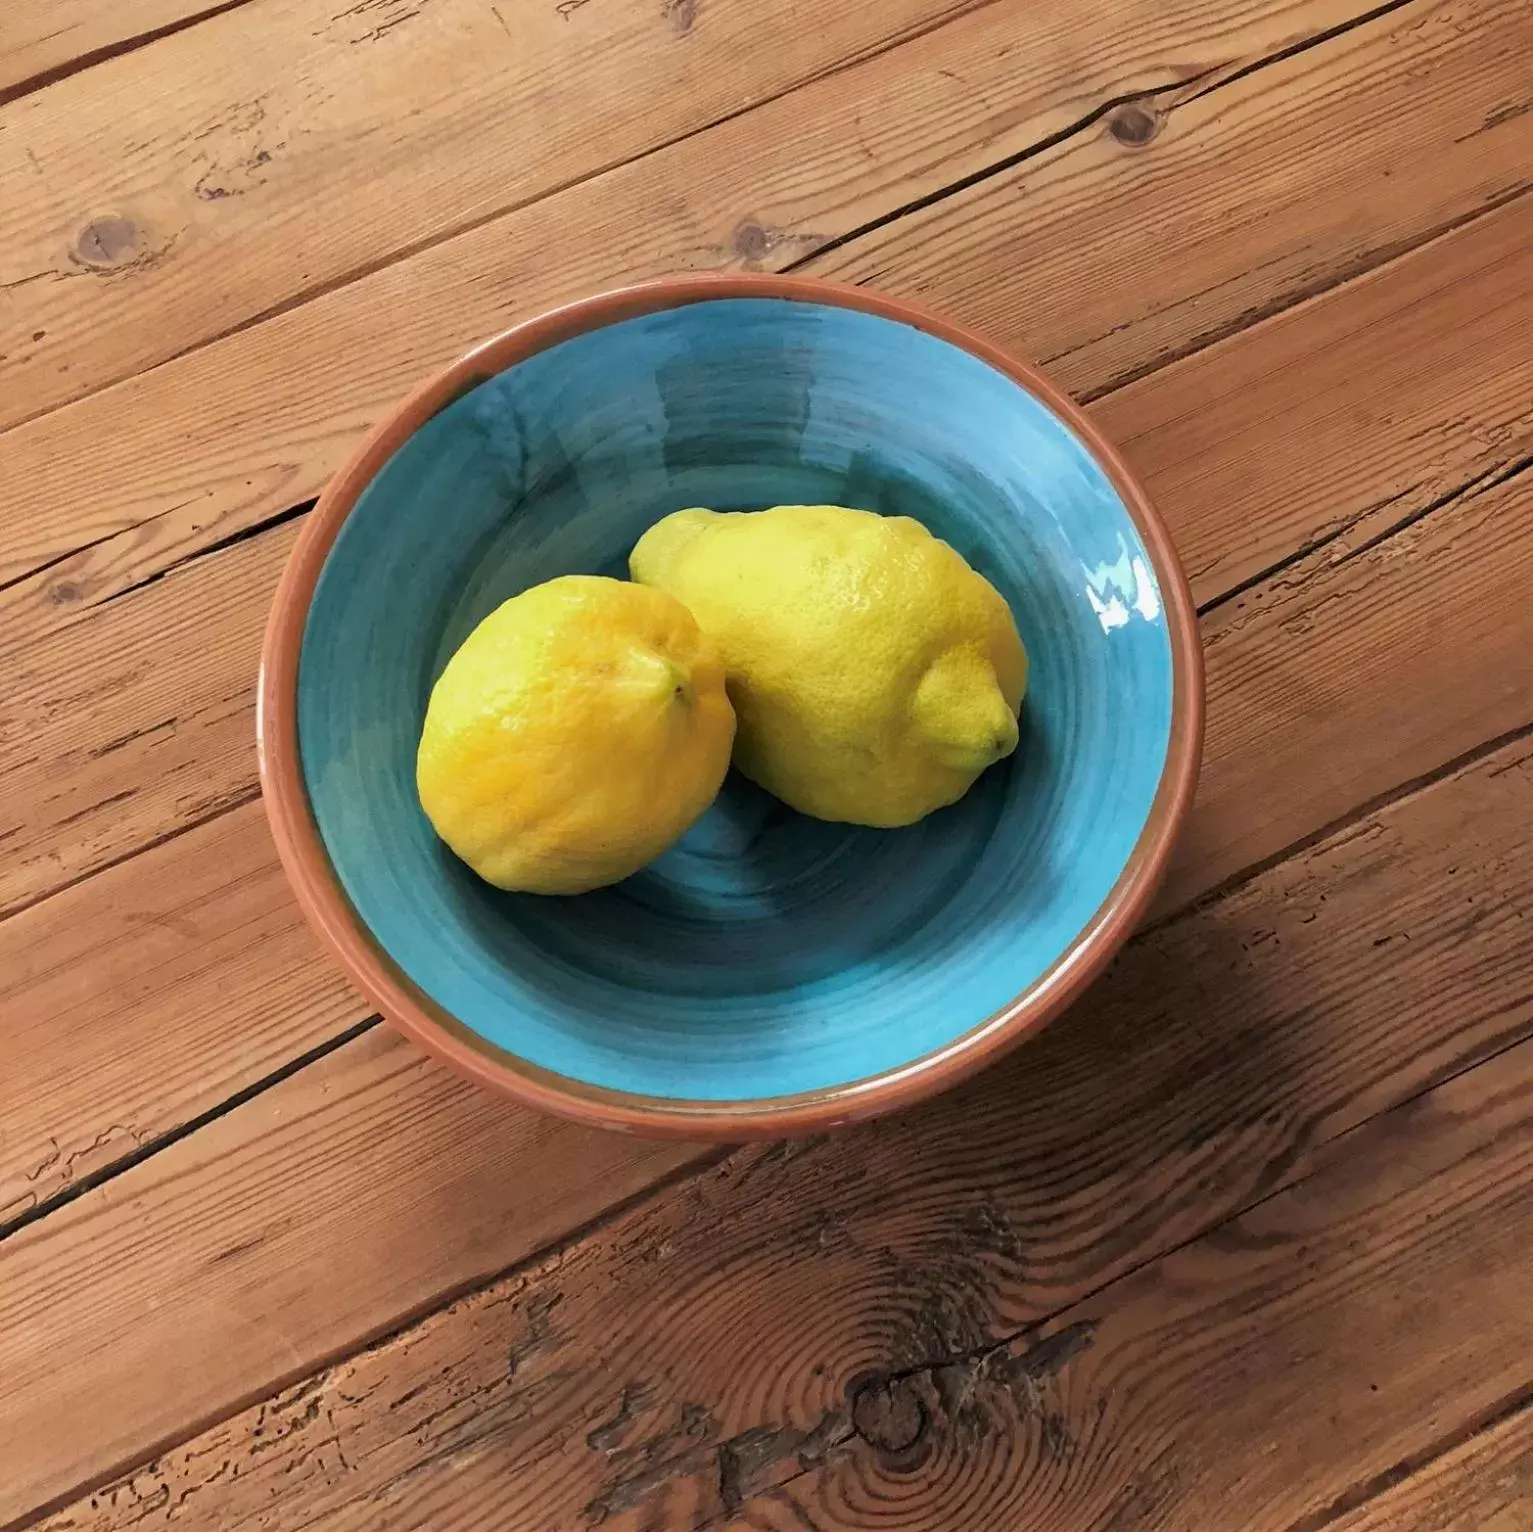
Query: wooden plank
x=1357, y=669
x=699, y=1354
x=203, y=461
x=1315, y=1342
x=1155, y=233
x=135, y=720
x=1483, y=1485
x=42, y=38
x=121, y=730
x=406, y=121
x=315, y=1213
x=1311, y=666
x=238, y=1367
x=182, y=977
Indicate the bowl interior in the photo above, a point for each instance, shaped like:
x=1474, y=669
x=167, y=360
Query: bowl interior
x=767, y=955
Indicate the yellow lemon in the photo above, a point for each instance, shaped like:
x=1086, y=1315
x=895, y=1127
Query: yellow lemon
x=575, y=734
x=874, y=674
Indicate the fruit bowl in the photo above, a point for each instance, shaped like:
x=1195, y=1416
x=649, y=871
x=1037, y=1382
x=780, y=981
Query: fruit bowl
x=771, y=974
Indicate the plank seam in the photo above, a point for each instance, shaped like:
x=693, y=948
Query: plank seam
x=235, y=800
x=219, y=545
x=1401, y=793
x=1359, y=1495
x=1284, y=303
x=153, y=1146
x=1000, y=167
x=108, y=51
x=1492, y=478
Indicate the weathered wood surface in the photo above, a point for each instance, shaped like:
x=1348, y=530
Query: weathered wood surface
x=1285, y=246
x=171, y=983
x=202, y=464
x=333, y=139
x=849, y=1325
x=43, y=40
x=250, y=1248
x=1485, y=1484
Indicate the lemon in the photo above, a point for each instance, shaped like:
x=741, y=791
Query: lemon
x=575, y=734
x=874, y=673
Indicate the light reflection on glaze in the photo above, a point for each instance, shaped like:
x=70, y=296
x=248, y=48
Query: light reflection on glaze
x=1122, y=587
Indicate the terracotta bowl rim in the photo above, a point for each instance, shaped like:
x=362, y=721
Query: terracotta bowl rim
x=410, y=1011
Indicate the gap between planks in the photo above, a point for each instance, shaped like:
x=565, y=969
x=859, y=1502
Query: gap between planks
x=1482, y=1482
x=99, y=53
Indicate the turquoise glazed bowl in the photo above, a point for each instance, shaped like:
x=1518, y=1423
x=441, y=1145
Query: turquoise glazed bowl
x=772, y=974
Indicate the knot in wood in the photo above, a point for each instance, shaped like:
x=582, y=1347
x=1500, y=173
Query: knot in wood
x=751, y=242
x=888, y=1416
x=108, y=242
x=1133, y=126
x=681, y=14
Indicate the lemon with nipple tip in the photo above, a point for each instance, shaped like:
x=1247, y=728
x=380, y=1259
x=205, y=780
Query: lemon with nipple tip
x=574, y=735
x=874, y=674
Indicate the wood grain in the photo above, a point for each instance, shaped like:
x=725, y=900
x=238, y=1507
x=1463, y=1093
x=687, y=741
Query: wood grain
x=314, y=1214
x=1341, y=605
x=183, y=976
x=1317, y=1341
x=42, y=39
x=152, y=706
x=1185, y=217
x=744, y=1342
x=1049, y=1299
x=1361, y=667
x=136, y=720
x=1392, y=704
x=402, y=121
x=1484, y=1484
x=201, y=463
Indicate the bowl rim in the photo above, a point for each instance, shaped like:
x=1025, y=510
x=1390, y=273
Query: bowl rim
x=409, y=1010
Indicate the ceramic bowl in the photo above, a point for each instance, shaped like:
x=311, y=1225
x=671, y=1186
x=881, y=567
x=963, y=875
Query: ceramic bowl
x=772, y=974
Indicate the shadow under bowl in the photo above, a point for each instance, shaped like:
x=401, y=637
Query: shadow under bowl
x=771, y=974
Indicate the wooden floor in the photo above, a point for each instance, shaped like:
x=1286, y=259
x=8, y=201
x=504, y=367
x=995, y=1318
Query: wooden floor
x=1244, y=1242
